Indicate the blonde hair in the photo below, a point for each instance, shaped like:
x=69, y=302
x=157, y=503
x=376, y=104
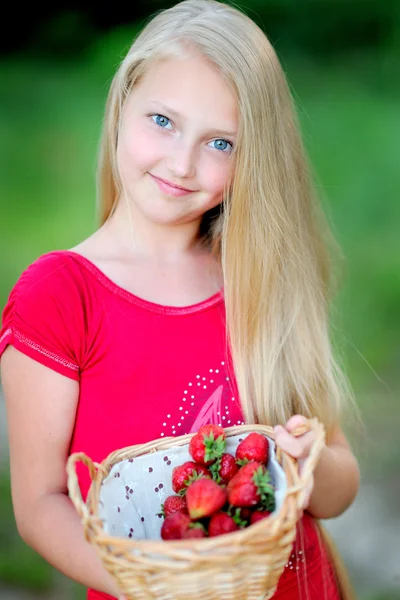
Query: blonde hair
x=272, y=237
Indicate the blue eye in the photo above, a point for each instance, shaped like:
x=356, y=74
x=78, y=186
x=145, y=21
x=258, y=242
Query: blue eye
x=222, y=145
x=161, y=121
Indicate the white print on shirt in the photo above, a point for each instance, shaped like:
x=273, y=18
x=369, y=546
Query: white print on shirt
x=198, y=407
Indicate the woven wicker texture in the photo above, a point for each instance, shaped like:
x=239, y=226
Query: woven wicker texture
x=243, y=565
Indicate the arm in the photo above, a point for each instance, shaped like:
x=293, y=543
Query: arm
x=41, y=406
x=336, y=479
x=336, y=475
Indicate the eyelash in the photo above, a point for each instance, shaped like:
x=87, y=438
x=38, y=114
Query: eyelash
x=154, y=117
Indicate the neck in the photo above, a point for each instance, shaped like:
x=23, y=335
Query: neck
x=165, y=243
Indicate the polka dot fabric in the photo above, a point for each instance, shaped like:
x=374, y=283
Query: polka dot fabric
x=133, y=492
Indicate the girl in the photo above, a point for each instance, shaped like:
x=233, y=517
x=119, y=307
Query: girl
x=202, y=297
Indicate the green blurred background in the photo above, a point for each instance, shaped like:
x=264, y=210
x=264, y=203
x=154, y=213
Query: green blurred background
x=341, y=58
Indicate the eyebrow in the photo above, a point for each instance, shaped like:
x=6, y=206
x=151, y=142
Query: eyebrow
x=176, y=115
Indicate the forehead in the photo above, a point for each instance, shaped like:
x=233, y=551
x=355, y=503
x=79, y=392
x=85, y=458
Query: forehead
x=190, y=87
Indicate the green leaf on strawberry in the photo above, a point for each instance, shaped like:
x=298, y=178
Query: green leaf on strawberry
x=214, y=448
x=215, y=468
x=194, y=476
x=262, y=480
x=236, y=514
x=162, y=512
x=197, y=525
x=242, y=461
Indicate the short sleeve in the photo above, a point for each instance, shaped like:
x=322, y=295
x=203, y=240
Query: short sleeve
x=44, y=316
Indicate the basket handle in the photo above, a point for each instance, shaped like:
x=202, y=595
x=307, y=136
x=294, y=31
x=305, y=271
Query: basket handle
x=310, y=463
x=74, y=490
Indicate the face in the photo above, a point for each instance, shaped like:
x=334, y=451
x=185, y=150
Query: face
x=176, y=139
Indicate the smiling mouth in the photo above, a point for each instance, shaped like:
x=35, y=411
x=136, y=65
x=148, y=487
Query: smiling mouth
x=165, y=184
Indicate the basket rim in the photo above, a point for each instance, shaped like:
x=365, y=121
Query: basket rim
x=277, y=524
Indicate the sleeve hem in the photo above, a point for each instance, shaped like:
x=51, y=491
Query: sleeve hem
x=37, y=352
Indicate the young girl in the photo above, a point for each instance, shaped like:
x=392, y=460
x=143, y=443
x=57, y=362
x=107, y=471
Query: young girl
x=202, y=297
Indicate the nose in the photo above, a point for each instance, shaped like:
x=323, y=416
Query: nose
x=182, y=159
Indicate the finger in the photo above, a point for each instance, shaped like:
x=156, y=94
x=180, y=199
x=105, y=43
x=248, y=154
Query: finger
x=288, y=443
x=298, y=447
x=306, y=440
x=294, y=422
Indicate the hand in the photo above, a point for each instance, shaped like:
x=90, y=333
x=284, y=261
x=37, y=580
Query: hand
x=297, y=447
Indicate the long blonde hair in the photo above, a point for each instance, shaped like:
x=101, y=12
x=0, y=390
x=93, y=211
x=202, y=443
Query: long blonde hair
x=272, y=237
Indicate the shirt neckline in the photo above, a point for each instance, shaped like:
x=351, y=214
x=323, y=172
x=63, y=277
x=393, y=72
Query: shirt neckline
x=134, y=299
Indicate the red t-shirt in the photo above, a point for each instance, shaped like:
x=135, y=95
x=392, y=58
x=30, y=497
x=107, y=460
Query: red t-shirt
x=145, y=371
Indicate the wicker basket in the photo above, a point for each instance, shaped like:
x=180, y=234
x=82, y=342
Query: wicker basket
x=243, y=565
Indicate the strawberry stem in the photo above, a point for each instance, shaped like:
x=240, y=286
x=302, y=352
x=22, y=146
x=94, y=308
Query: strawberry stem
x=237, y=517
x=197, y=525
x=192, y=477
x=213, y=448
x=265, y=489
x=214, y=468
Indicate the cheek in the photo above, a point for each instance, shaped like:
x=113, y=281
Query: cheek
x=214, y=176
x=138, y=151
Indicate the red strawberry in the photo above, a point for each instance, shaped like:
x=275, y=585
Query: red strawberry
x=251, y=486
x=228, y=467
x=174, y=526
x=217, y=430
x=221, y=523
x=241, y=516
x=172, y=504
x=196, y=530
x=184, y=474
x=204, y=497
x=259, y=515
x=208, y=444
x=224, y=468
x=253, y=447
x=245, y=513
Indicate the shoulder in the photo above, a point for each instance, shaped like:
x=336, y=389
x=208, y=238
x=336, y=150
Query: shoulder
x=46, y=313
x=57, y=276
x=51, y=291
x=49, y=271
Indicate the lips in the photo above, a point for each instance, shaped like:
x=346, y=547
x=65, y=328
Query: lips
x=169, y=188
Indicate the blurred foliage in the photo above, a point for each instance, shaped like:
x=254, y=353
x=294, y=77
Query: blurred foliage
x=322, y=28
x=341, y=59
x=18, y=564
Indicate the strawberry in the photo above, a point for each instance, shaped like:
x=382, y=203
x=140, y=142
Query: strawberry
x=196, y=530
x=224, y=468
x=208, y=444
x=258, y=515
x=175, y=525
x=251, y=486
x=254, y=447
x=240, y=515
x=217, y=430
x=204, y=497
x=245, y=513
x=228, y=467
x=172, y=504
x=221, y=523
x=184, y=474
